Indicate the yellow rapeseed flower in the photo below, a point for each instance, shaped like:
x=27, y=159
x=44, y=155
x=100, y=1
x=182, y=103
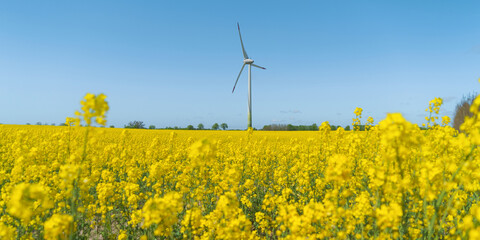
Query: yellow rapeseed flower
x=59, y=226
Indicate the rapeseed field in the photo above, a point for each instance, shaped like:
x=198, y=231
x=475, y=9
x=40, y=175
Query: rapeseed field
x=392, y=181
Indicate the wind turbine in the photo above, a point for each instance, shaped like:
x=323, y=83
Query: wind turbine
x=247, y=60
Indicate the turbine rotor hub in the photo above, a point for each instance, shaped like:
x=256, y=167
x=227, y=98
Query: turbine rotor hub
x=247, y=61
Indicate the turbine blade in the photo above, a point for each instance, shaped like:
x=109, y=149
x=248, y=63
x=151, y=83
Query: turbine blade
x=258, y=66
x=245, y=55
x=238, y=78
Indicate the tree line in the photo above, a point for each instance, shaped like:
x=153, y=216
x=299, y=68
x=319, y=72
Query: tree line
x=313, y=127
x=224, y=126
x=200, y=126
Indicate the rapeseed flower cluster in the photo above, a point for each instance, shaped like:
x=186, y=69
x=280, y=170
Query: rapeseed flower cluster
x=59, y=226
x=93, y=106
x=433, y=108
x=393, y=181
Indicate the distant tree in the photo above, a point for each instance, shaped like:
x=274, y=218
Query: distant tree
x=135, y=124
x=224, y=126
x=151, y=127
x=333, y=127
x=28, y=124
x=39, y=123
x=279, y=127
x=275, y=127
x=176, y=127
x=62, y=124
x=462, y=110
x=215, y=126
x=347, y=128
x=200, y=126
x=53, y=124
x=190, y=127
x=111, y=126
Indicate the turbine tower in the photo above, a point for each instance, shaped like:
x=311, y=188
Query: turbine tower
x=247, y=60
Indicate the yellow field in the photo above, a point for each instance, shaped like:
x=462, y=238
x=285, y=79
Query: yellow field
x=393, y=181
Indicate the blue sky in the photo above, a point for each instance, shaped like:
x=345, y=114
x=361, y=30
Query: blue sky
x=174, y=63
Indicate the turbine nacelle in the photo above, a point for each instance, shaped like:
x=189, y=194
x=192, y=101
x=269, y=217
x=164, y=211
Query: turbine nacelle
x=247, y=61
